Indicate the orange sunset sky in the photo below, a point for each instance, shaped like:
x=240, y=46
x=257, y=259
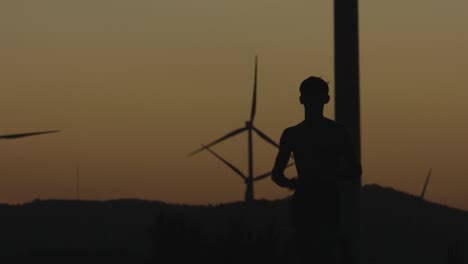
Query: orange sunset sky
x=137, y=85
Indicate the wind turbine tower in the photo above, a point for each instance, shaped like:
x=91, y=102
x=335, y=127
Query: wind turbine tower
x=78, y=181
x=249, y=179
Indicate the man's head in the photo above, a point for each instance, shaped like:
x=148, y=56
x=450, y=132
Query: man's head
x=314, y=90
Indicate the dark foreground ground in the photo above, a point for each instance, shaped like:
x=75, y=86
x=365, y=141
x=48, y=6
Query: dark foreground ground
x=396, y=228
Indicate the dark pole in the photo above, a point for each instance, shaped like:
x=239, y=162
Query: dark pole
x=347, y=101
x=347, y=110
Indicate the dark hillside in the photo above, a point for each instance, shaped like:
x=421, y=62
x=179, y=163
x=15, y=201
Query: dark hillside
x=396, y=228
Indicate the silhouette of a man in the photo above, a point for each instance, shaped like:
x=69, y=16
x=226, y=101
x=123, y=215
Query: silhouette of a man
x=324, y=154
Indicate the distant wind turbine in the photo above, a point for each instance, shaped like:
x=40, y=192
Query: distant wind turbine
x=426, y=183
x=249, y=179
x=15, y=136
x=78, y=181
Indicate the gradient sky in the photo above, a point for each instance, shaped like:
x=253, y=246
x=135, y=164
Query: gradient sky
x=136, y=85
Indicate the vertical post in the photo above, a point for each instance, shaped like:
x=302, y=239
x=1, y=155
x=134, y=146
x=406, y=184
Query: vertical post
x=347, y=101
x=249, y=195
x=347, y=109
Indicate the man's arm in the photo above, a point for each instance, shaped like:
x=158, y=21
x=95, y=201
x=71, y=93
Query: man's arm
x=281, y=162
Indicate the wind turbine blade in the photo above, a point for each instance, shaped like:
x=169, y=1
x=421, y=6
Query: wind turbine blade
x=426, y=183
x=228, y=135
x=236, y=170
x=265, y=175
x=265, y=137
x=254, y=100
x=14, y=136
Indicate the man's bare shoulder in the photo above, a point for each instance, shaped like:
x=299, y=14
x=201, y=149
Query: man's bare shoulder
x=333, y=124
x=326, y=124
x=292, y=129
x=289, y=133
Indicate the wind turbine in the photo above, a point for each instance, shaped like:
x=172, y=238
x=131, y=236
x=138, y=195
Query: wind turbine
x=426, y=183
x=15, y=136
x=249, y=179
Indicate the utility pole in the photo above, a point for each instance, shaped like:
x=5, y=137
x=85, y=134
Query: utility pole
x=347, y=111
x=347, y=99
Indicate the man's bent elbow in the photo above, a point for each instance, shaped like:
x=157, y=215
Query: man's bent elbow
x=279, y=179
